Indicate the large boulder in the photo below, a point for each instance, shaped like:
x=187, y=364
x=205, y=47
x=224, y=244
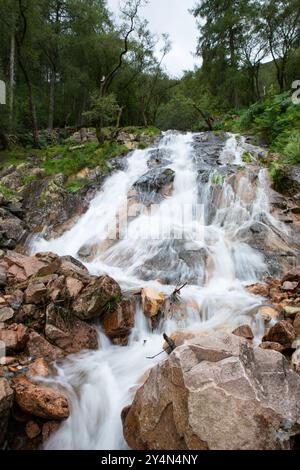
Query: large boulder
x=99, y=296
x=6, y=401
x=67, y=332
x=40, y=400
x=12, y=230
x=216, y=392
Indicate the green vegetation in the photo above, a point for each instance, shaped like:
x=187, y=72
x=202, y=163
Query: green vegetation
x=246, y=157
x=7, y=193
x=218, y=179
x=75, y=186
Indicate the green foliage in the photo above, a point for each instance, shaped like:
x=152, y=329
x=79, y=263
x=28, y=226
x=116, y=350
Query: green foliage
x=69, y=162
x=292, y=150
x=104, y=110
x=29, y=179
x=177, y=114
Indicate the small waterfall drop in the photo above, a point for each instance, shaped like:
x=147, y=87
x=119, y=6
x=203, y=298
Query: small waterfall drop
x=190, y=235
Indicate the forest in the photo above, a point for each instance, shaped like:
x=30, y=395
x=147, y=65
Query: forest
x=69, y=63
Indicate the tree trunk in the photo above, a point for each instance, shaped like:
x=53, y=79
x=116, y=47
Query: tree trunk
x=3, y=140
x=51, y=100
x=11, y=80
x=100, y=135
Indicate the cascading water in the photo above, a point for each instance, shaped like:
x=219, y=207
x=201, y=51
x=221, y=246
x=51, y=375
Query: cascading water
x=163, y=247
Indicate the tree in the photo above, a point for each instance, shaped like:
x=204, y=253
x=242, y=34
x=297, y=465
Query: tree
x=104, y=112
x=281, y=24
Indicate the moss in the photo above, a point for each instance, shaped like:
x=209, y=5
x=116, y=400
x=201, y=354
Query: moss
x=218, y=179
x=7, y=193
x=247, y=157
x=42, y=200
x=147, y=131
x=75, y=186
x=29, y=179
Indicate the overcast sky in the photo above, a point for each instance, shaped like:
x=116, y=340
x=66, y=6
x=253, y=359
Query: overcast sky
x=173, y=17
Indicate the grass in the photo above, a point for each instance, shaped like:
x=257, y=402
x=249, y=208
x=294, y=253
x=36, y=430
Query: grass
x=75, y=186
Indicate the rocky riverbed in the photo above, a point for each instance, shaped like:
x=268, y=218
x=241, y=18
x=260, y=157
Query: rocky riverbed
x=220, y=387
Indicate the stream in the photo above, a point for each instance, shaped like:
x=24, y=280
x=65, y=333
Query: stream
x=191, y=200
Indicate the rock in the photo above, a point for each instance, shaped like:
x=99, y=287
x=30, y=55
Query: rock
x=6, y=402
x=6, y=314
x=268, y=313
x=272, y=345
x=216, y=393
x=289, y=286
x=244, y=331
x=296, y=360
x=74, y=286
x=30, y=265
x=181, y=337
x=152, y=301
x=39, y=347
x=259, y=289
x=14, y=337
x=32, y=430
x=12, y=230
x=3, y=275
x=39, y=400
x=50, y=428
x=291, y=312
x=282, y=333
x=296, y=344
x=99, y=295
x=155, y=180
x=296, y=325
x=292, y=276
x=120, y=322
x=39, y=368
x=71, y=267
x=67, y=332
x=35, y=293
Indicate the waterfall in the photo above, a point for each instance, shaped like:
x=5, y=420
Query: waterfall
x=190, y=234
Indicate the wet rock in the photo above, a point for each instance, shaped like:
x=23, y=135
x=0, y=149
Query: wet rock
x=152, y=301
x=39, y=400
x=282, y=333
x=6, y=402
x=244, y=331
x=155, y=180
x=158, y=157
x=67, y=332
x=39, y=347
x=268, y=313
x=14, y=337
x=50, y=428
x=71, y=267
x=119, y=322
x=32, y=430
x=259, y=289
x=195, y=399
x=99, y=295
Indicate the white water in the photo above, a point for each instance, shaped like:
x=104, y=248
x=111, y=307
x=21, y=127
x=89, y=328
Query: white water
x=99, y=384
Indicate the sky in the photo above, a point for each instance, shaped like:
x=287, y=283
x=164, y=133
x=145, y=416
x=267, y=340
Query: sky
x=172, y=17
